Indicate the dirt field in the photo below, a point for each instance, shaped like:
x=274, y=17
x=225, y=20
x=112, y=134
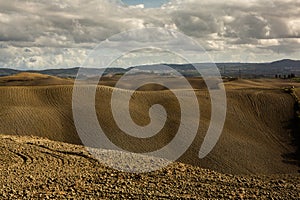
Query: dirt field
x=257, y=145
x=34, y=168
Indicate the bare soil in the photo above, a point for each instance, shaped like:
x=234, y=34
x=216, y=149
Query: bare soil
x=36, y=168
x=256, y=155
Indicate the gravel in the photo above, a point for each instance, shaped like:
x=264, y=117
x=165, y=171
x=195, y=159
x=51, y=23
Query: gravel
x=36, y=168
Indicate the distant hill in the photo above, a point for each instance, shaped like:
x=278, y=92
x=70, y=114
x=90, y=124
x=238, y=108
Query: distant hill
x=281, y=67
x=286, y=63
x=8, y=72
x=64, y=73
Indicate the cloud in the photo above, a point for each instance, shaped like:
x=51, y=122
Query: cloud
x=53, y=34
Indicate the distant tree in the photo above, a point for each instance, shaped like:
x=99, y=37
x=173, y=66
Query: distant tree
x=293, y=75
x=289, y=76
x=276, y=76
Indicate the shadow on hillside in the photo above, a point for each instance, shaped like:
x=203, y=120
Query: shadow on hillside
x=293, y=158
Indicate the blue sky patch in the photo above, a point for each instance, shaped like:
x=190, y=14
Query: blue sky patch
x=147, y=3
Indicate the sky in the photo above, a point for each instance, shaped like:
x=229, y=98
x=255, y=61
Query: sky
x=41, y=34
x=146, y=3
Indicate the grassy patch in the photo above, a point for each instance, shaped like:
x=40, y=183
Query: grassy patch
x=296, y=79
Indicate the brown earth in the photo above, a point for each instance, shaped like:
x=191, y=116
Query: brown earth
x=33, y=79
x=35, y=168
x=258, y=138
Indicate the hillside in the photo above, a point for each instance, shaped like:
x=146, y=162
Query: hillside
x=33, y=79
x=257, y=138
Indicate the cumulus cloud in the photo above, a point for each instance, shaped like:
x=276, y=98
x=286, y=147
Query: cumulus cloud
x=60, y=33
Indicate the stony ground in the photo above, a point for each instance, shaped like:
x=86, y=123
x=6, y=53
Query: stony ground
x=34, y=168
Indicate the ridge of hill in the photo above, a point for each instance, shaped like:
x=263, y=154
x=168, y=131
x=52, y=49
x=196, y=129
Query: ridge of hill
x=33, y=79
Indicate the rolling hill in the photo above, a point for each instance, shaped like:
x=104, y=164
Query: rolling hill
x=257, y=137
